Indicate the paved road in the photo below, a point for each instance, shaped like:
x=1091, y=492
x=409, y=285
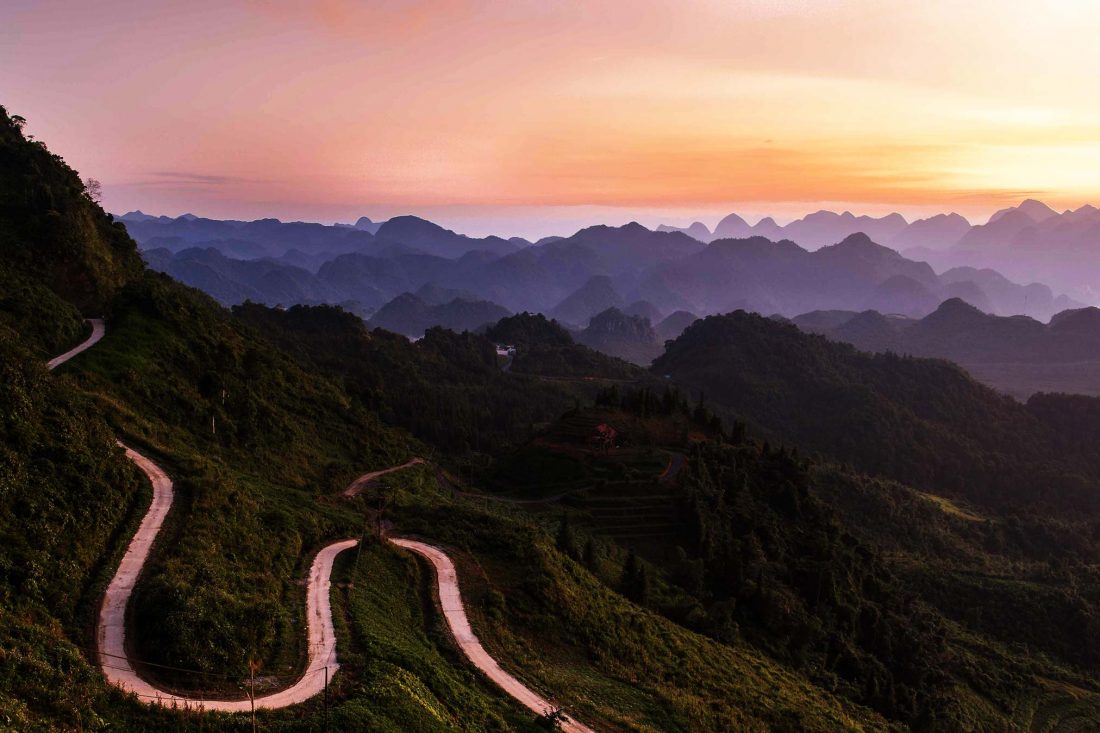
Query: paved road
x=363, y=481
x=111, y=629
x=97, y=333
x=454, y=612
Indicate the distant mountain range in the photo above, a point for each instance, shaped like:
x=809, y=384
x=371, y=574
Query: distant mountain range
x=274, y=238
x=1027, y=242
x=821, y=228
x=1016, y=354
x=1034, y=241
x=635, y=270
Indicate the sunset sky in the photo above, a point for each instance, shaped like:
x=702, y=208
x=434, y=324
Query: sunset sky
x=530, y=117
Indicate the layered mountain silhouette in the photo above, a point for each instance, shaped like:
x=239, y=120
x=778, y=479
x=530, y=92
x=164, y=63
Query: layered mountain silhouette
x=411, y=315
x=595, y=296
x=820, y=228
x=1027, y=242
x=1058, y=249
x=1017, y=354
x=933, y=233
x=634, y=269
x=272, y=237
x=644, y=309
x=628, y=337
x=231, y=281
x=675, y=324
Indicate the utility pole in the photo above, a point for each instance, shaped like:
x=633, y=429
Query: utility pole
x=359, y=551
x=252, y=690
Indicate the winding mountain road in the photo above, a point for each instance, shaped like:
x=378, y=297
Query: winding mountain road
x=111, y=629
x=98, y=329
x=356, y=486
x=455, y=613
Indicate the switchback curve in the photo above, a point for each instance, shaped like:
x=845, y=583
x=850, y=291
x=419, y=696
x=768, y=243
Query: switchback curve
x=111, y=627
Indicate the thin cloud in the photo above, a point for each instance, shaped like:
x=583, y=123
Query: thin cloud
x=188, y=177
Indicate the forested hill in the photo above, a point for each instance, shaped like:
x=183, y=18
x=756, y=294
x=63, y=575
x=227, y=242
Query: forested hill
x=921, y=421
x=60, y=254
x=447, y=388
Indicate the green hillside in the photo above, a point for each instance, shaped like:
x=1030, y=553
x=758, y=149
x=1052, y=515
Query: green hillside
x=923, y=422
x=874, y=590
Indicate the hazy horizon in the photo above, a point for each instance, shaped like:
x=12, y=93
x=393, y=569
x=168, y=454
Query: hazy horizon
x=533, y=118
x=532, y=223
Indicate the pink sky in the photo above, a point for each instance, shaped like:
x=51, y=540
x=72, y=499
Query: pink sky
x=534, y=117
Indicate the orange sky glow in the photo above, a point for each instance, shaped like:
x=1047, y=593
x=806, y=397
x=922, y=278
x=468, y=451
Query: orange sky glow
x=529, y=117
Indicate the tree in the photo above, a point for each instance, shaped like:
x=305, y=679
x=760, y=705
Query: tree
x=589, y=557
x=93, y=189
x=567, y=543
x=641, y=588
x=634, y=581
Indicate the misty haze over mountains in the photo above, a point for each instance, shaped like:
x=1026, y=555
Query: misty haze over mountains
x=408, y=274
x=1015, y=354
x=1026, y=243
x=626, y=290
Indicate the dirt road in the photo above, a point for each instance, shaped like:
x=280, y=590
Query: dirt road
x=98, y=330
x=111, y=629
x=454, y=612
x=365, y=480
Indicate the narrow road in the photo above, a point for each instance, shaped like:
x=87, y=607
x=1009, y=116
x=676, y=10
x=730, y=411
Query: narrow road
x=356, y=486
x=455, y=614
x=97, y=333
x=111, y=629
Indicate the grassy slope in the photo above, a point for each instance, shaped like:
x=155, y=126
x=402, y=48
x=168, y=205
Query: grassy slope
x=1019, y=591
x=616, y=666
x=938, y=569
x=252, y=497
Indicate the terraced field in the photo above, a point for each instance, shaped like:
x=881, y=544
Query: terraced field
x=630, y=511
